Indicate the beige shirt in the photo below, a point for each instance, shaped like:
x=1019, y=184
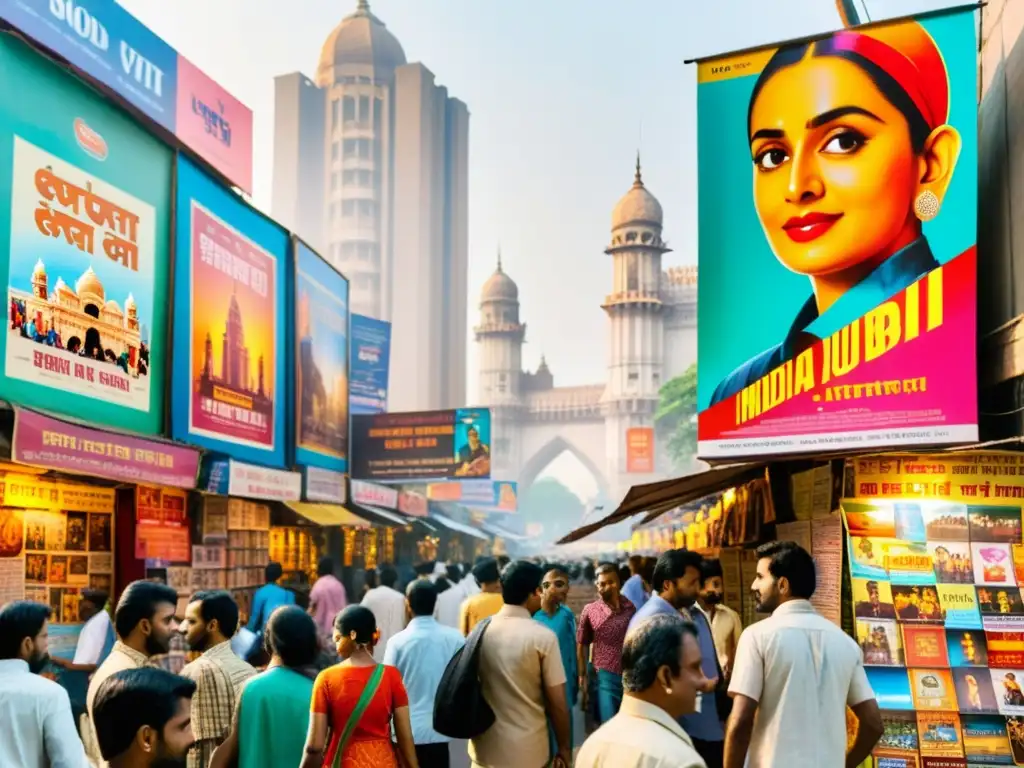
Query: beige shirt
x=519, y=658
x=800, y=668
x=121, y=658
x=726, y=627
x=641, y=735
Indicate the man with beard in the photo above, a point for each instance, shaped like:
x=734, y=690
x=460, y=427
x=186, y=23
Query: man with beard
x=796, y=673
x=211, y=619
x=144, y=622
x=142, y=718
x=726, y=624
x=676, y=586
x=603, y=625
x=36, y=727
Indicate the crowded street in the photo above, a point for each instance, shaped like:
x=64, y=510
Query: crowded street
x=462, y=384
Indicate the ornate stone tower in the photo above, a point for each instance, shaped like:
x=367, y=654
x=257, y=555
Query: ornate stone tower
x=500, y=338
x=636, y=324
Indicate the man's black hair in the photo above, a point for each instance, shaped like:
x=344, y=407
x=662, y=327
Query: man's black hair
x=710, y=569
x=454, y=574
x=139, y=601
x=425, y=568
x=325, y=567
x=272, y=572
x=672, y=565
x=422, y=598
x=96, y=596
x=388, y=576
x=132, y=698
x=18, y=620
x=487, y=572
x=519, y=580
x=788, y=559
x=219, y=605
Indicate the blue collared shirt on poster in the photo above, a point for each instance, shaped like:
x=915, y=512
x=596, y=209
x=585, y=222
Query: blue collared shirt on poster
x=898, y=272
x=633, y=590
x=267, y=599
x=704, y=724
x=563, y=624
x=421, y=652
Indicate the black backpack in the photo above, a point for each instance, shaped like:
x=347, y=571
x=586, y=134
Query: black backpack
x=460, y=709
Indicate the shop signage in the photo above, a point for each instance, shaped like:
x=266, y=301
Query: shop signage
x=228, y=477
x=228, y=380
x=841, y=314
x=321, y=362
x=110, y=45
x=368, y=370
x=412, y=504
x=161, y=525
x=323, y=485
x=43, y=441
x=87, y=248
x=423, y=445
x=26, y=492
x=374, y=495
x=488, y=495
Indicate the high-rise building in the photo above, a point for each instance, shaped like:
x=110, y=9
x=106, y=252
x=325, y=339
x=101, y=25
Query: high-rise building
x=371, y=168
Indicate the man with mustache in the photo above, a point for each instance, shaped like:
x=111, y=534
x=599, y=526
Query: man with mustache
x=143, y=718
x=726, y=624
x=36, y=727
x=144, y=621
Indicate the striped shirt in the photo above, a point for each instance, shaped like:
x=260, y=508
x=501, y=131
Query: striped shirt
x=219, y=676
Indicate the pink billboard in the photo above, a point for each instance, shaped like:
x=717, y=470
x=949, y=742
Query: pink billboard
x=214, y=124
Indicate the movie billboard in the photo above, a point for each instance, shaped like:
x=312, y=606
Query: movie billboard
x=837, y=232
x=87, y=226
x=229, y=374
x=426, y=445
x=368, y=371
x=321, y=362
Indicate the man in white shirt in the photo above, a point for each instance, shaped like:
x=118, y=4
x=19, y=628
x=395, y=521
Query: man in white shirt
x=388, y=606
x=36, y=726
x=795, y=674
x=421, y=652
x=446, y=611
x=97, y=637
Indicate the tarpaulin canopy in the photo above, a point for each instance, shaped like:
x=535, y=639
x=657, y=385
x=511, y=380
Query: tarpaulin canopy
x=452, y=525
x=325, y=514
x=381, y=515
x=656, y=498
x=503, y=533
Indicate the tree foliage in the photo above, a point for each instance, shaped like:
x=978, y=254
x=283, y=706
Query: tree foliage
x=676, y=417
x=550, y=502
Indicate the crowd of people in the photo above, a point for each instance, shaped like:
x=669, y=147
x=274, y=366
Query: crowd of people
x=667, y=672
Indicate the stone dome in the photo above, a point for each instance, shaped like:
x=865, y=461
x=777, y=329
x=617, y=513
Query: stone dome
x=499, y=286
x=89, y=283
x=361, y=39
x=638, y=205
x=113, y=307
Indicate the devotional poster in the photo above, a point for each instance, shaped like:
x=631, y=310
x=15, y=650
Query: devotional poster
x=321, y=362
x=837, y=231
x=86, y=231
x=229, y=371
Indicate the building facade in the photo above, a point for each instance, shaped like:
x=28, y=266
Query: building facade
x=652, y=323
x=371, y=168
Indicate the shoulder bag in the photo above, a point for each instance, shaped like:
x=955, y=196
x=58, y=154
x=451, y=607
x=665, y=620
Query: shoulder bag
x=372, y=686
x=460, y=709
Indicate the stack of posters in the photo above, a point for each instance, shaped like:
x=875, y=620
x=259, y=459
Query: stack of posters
x=939, y=618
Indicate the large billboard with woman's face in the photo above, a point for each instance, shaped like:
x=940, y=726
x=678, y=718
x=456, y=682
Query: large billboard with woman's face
x=838, y=222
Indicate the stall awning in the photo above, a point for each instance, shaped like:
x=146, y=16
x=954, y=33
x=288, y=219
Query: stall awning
x=503, y=533
x=655, y=498
x=451, y=525
x=380, y=515
x=325, y=514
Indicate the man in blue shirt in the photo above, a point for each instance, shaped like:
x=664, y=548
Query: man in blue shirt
x=267, y=599
x=559, y=619
x=675, y=587
x=638, y=584
x=421, y=652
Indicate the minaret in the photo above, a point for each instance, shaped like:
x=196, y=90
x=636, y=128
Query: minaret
x=500, y=336
x=636, y=324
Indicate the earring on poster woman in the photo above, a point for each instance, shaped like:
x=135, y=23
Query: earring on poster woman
x=926, y=205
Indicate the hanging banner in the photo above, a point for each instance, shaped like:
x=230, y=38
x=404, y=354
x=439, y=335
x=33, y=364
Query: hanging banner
x=321, y=362
x=161, y=525
x=370, y=358
x=640, y=450
x=41, y=441
x=228, y=379
x=835, y=279
x=103, y=40
x=990, y=478
x=88, y=222
x=227, y=477
x=485, y=495
x=427, y=444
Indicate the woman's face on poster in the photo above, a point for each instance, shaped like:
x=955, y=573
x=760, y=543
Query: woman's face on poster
x=835, y=175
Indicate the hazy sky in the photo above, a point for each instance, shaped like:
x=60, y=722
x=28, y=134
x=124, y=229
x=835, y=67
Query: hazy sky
x=561, y=94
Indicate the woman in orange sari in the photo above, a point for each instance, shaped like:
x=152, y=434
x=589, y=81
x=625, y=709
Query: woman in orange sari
x=354, y=703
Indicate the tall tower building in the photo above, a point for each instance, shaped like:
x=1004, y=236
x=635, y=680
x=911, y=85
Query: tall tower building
x=371, y=167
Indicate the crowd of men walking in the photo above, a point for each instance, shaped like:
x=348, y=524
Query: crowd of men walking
x=669, y=674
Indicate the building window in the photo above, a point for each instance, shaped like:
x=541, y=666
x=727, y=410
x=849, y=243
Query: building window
x=348, y=207
x=367, y=208
x=334, y=114
x=364, y=109
x=502, y=383
x=633, y=376
x=335, y=181
x=632, y=272
x=348, y=106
